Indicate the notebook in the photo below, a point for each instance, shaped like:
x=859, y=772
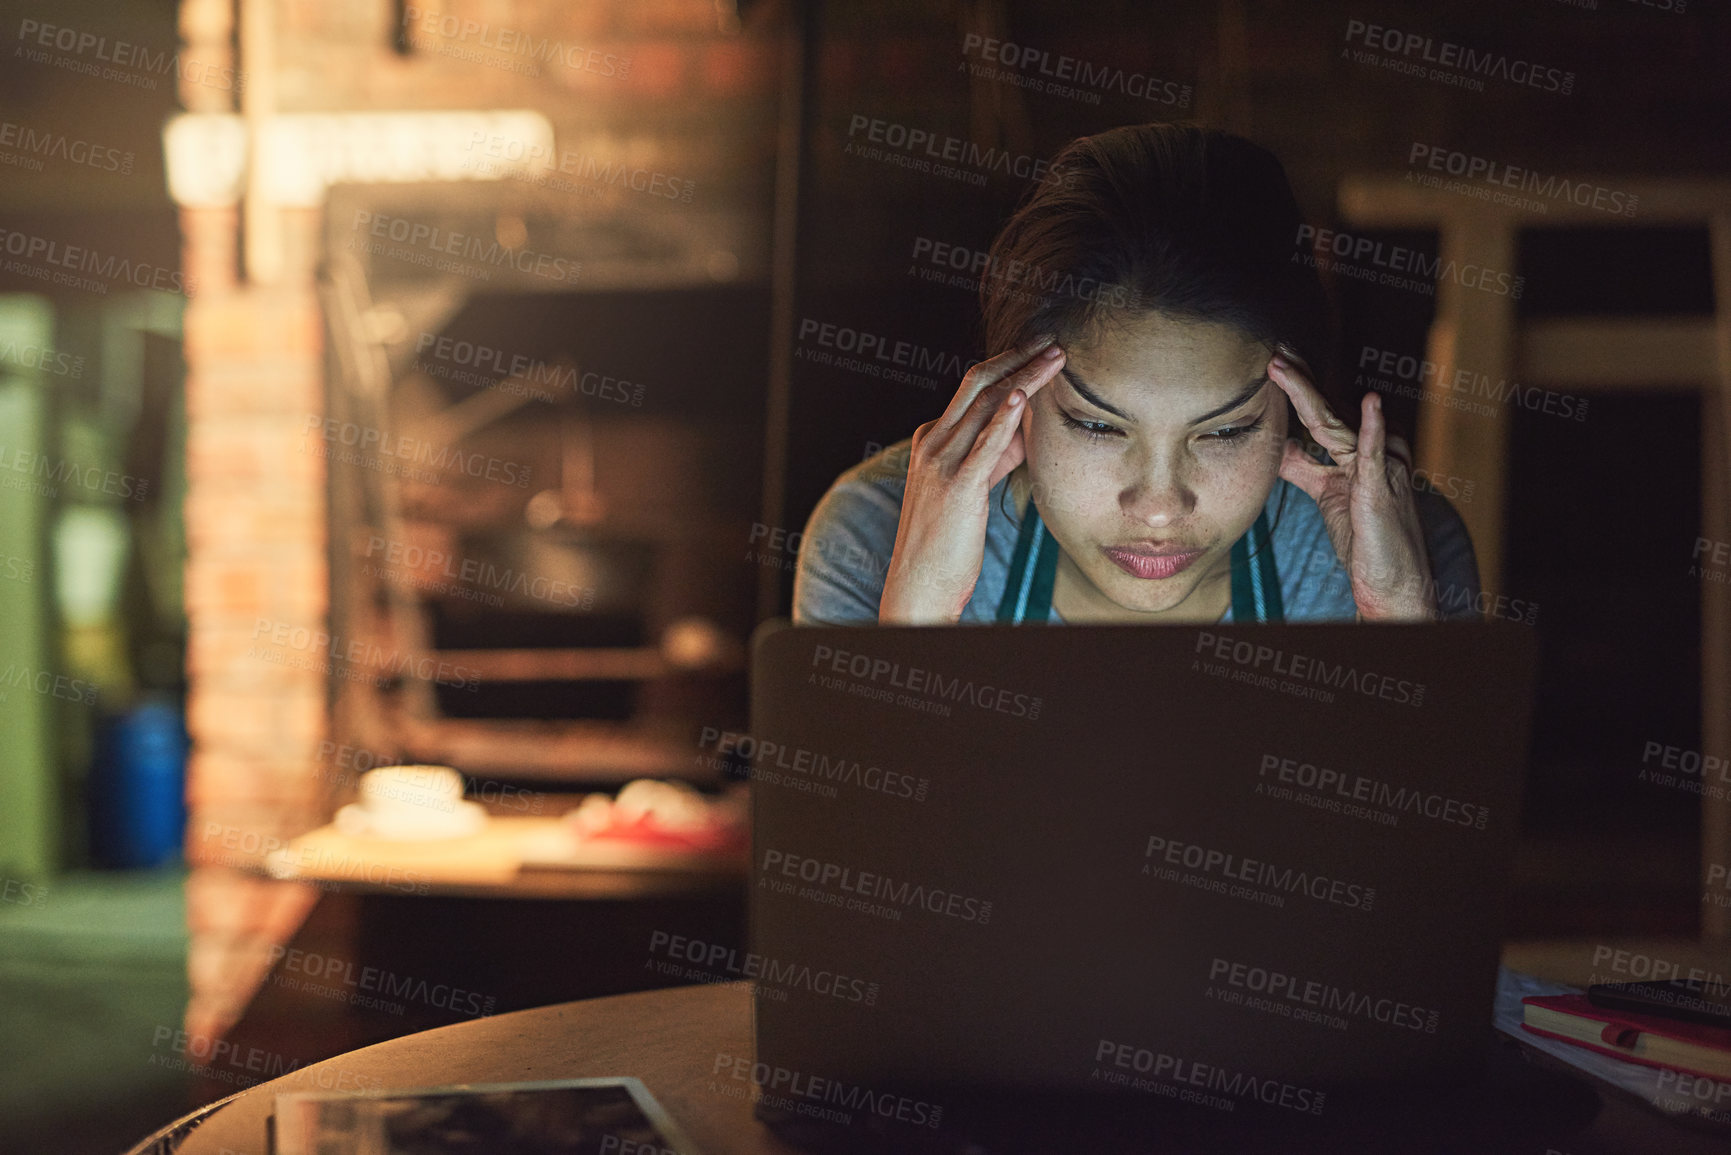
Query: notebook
x=1693, y=1048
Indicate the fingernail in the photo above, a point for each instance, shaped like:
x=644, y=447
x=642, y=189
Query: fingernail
x=1052, y=352
x=1016, y=398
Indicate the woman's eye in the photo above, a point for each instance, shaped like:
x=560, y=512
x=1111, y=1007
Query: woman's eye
x=1092, y=429
x=1234, y=432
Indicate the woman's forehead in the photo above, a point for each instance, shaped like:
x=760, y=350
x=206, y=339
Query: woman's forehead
x=1129, y=355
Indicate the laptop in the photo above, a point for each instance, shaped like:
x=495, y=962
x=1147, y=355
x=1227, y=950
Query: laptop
x=1242, y=867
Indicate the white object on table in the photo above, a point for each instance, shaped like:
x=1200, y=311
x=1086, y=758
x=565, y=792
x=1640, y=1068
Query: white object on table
x=411, y=803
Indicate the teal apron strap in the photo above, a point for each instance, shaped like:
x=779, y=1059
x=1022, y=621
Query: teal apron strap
x=1034, y=569
x=1255, y=583
x=1033, y=572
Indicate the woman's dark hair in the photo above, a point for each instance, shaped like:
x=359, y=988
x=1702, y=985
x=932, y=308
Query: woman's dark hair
x=1175, y=218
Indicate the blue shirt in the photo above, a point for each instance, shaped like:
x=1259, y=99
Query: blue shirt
x=845, y=551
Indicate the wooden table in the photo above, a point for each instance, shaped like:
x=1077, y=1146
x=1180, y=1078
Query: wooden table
x=671, y=1039
x=551, y=936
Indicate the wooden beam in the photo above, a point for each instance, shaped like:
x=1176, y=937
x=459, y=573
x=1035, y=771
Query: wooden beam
x=1474, y=329
x=575, y=665
x=574, y=751
x=1619, y=353
x=1398, y=201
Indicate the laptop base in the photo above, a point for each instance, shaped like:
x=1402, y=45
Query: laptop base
x=1517, y=1107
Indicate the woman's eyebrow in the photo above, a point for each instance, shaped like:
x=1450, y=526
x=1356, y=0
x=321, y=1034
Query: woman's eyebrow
x=1250, y=390
x=1091, y=397
x=1094, y=399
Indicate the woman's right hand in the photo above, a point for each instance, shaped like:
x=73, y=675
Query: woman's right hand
x=953, y=465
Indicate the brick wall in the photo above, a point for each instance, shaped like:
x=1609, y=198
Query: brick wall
x=257, y=533
x=255, y=515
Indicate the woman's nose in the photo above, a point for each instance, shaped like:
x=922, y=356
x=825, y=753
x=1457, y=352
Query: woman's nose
x=1159, y=496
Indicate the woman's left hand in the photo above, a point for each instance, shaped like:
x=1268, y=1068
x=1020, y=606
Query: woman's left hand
x=1365, y=499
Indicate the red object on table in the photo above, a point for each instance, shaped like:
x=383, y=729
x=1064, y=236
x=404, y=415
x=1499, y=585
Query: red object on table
x=1622, y=1029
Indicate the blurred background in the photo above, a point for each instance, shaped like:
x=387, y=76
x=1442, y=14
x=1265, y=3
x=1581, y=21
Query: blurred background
x=449, y=383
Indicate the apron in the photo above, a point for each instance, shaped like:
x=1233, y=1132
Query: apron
x=1034, y=568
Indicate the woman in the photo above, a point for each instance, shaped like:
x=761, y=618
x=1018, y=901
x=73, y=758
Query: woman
x=1126, y=458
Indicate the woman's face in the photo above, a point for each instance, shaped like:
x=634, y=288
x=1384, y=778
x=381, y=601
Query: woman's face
x=1152, y=452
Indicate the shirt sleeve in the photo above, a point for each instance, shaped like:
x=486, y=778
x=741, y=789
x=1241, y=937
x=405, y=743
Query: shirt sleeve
x=845, y=550
x=1453, y=564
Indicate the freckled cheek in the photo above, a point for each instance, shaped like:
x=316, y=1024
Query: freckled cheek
x=1234, y=486
x=1229, y=488
x=1069, y=476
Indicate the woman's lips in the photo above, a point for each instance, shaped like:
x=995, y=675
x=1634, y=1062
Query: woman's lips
x=1150, y=566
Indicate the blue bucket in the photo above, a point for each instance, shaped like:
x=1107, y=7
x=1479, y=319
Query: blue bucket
x=137, y=791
